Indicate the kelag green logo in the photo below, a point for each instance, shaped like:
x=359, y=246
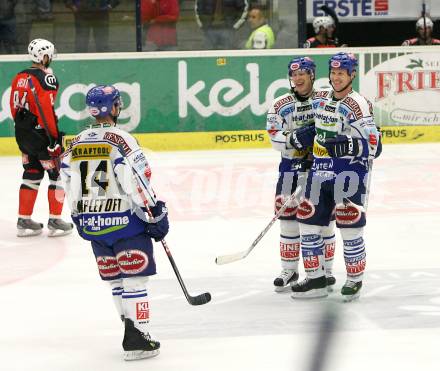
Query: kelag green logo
x=168, y=94
x=228, y=96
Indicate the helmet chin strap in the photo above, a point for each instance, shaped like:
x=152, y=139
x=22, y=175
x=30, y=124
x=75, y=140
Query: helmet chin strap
x=115, y=118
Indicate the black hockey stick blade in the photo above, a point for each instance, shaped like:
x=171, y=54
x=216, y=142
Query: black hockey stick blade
x=200, y=299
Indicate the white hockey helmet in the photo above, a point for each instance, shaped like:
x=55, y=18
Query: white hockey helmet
x=38, y=48
x=421, y=23
x=325, y=22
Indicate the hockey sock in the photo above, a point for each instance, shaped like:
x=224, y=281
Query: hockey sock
x=289, y=244
x=135, y=302
x=312, y=248
x=27, y=196
x=329, y=237
x=117, y=289
x=354, y=253
x=329, y=253
x=55, y=196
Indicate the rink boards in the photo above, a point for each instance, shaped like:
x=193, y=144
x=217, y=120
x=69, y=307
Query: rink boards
x=251, y=139
x=207, y=100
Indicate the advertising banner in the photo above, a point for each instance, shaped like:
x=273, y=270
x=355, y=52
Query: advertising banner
x=373, y=10
x=404, y=89
x=170, y=94
x=205, y=102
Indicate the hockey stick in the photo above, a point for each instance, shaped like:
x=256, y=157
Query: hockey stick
x=425, y=36
x=43, y=118
x=230, y=258
x=193, y=300
x=330, y=12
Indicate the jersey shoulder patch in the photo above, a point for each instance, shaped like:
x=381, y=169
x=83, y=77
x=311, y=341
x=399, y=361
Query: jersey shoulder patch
x=353, y=106
x=118, y=140
x=282, y=101
x=320, y=94
x=48, y=81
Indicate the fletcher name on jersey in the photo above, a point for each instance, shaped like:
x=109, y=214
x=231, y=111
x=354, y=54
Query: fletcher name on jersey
x=104, y=201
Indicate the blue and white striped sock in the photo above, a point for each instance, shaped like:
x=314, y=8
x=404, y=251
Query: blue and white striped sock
x=355, y=258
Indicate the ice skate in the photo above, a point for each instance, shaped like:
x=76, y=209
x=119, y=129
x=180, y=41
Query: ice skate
x=310, y=288
x=27, y=227
x=286, y=277
x=331, y=281
x=57, y=227
x=351, y=290
x=138, y=345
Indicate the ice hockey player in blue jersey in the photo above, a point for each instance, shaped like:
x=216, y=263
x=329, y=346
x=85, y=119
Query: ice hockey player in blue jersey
x=291, y=131
x=107, y=211
x=346, y=142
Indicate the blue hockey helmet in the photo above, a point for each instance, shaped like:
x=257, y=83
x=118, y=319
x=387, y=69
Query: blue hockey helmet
x=100, y=100
x=302, y=63
x=345, y=61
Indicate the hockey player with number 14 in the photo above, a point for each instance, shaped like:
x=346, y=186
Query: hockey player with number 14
x=290, y=124
x=108, y=211
x=346, y=142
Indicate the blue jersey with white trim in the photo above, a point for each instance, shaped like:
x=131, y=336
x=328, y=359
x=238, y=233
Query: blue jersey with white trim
x=99, y=184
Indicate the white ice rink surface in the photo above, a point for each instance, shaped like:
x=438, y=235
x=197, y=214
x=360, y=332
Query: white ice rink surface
x=57, y=315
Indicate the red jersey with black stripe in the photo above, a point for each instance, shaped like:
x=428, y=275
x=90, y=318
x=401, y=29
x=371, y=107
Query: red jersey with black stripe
x=46, y=89
x=313, y=42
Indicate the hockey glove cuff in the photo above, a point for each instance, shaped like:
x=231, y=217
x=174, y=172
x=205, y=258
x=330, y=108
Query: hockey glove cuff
x=343, y=145
x=157, y=228
x=302, y=137
x=379, y=147
x=54, y=150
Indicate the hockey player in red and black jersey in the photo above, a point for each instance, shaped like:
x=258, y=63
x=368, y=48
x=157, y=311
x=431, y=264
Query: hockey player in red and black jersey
x=424, y=27
x=324, y=29
x=33, y=94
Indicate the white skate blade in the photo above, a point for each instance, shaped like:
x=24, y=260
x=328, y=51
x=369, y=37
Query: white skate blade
x=312, y=294
x=349, y=298
x=58, y=232
x=287, y=288
x=133, y=355
x=28, y=232
x=281, y=289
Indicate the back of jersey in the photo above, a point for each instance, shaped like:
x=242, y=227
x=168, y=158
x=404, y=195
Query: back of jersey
x=99, y=189
x=45, y=88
